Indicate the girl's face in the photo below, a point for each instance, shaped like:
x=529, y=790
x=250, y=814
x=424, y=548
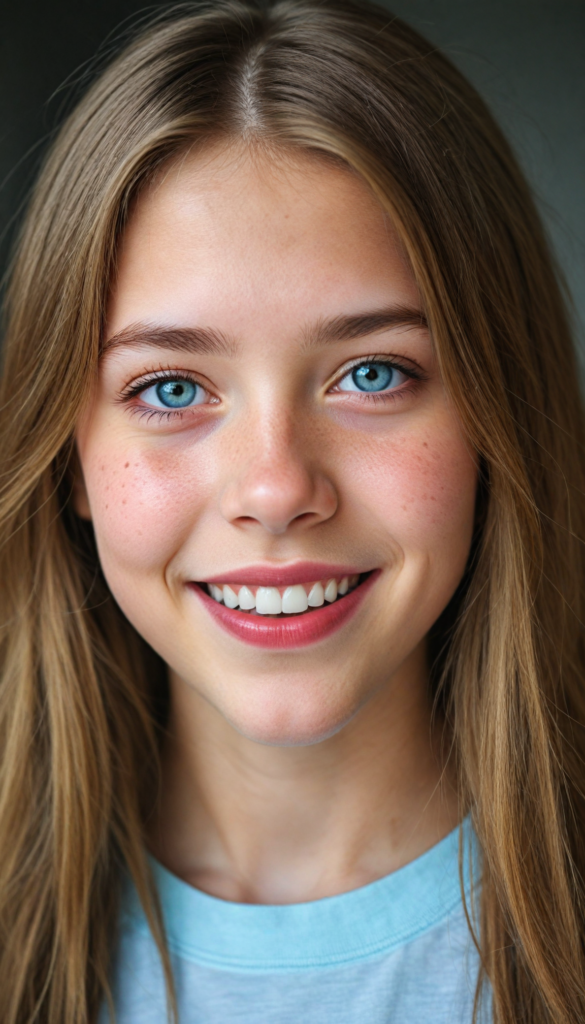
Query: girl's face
x=269, y=418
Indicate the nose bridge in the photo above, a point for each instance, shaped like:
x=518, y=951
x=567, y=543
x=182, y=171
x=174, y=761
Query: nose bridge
x=275, y=478
x=278, y=439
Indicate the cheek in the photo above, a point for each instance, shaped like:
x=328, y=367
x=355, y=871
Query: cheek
x=144, y=504
x=422, y=485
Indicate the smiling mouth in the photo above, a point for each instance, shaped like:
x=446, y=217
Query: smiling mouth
x=284, y=617
x=284, y=602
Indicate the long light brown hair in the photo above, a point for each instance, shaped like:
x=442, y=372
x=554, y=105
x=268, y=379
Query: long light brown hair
x=81, y=699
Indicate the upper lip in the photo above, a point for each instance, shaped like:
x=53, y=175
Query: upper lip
x=285, y=575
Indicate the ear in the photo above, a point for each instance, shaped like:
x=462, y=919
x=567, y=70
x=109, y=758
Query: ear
x=79, y=496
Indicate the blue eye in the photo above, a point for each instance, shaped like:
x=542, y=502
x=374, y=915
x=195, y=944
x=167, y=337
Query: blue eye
x=372, y=377
x=178, y=393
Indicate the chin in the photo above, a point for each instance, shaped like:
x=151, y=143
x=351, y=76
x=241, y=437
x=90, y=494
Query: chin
x=301, y=725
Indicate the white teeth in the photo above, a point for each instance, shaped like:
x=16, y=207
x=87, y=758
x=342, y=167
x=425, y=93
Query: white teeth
x=295, y=600
x=246, y=599
x=230, y=598
x=316, y=596
x=268, y=601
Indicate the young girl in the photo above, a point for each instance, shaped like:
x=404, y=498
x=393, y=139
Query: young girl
x=292, y=700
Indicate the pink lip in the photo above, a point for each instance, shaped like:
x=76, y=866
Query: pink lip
x=284, y=576
x=299, y=630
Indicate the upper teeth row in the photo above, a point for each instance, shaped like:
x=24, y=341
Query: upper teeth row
x=270, y=601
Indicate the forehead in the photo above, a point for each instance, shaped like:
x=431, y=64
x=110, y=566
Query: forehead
x=240, y=234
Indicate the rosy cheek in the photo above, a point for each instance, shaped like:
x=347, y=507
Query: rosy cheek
x=144, y=505
x=422, y=485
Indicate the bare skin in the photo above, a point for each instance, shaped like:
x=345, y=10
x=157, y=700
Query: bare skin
x=241, y=823
x=288, y=775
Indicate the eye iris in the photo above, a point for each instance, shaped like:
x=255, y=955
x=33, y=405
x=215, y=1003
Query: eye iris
x=372, y=376
x=176, y=394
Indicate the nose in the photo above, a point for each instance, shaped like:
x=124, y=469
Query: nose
x=277, y=482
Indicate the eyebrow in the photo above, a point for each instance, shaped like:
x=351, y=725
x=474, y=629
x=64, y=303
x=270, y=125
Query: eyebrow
x=348, y=328
x=207, y=341
x=197, y=340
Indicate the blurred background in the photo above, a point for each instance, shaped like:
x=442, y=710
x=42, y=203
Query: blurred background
x=527, y=58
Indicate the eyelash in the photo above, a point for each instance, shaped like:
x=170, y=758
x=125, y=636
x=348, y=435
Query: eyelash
x=416, y=376
x=151, y=377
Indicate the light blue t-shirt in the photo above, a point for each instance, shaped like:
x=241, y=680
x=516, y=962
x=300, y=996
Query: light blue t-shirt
x=397, y=950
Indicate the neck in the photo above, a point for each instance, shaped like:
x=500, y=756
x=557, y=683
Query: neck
x=267, y=824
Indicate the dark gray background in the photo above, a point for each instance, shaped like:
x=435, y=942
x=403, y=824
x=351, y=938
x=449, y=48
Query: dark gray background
x=527, y=57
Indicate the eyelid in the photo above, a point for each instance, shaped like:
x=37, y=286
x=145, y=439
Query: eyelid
x=406, y=366
x=137, y=385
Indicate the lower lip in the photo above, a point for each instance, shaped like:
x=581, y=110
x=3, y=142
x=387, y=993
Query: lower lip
x=283, y=634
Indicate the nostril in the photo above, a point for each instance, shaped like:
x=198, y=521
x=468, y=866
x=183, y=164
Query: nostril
x=305, y=517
